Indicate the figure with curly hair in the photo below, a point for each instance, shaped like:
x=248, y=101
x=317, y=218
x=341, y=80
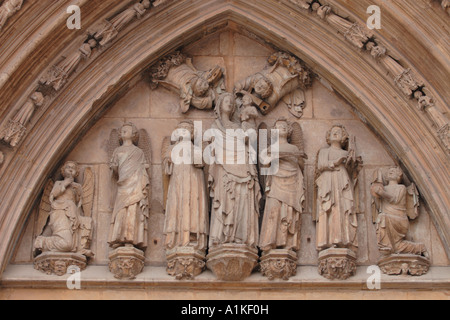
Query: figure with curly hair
x=336, y=209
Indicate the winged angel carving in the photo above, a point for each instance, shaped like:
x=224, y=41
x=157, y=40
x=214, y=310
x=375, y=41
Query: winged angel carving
x=393, y=205
x=64, y=224
x=130, y=154
x=284, y=190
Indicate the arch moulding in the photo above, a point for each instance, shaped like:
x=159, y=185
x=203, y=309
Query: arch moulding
x=111, y=70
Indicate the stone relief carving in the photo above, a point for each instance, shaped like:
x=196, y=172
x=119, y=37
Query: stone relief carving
x=337, y=172
x=393, y=205
x=197, y=89
x=284, y=78
x=110, y=30
x=187, y=209
x=2, y=158
x=130, y=155
x=58, y=75
x=64, y=226
x=16, y=129
x=446, y=5
x=285, y=192
x=8, y=9
x=364, y=39
x=235, y=194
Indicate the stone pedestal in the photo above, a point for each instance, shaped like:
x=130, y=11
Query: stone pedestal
x=58, y=263
x=279, y=264
x=337, y=263
x=126, y=263
x=232, y=262
x=406, y=264
x=185, y=263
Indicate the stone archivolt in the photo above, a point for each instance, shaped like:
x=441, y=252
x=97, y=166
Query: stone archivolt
x=403, y=78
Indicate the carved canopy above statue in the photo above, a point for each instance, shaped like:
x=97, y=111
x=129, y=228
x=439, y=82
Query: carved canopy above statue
x=400, y=94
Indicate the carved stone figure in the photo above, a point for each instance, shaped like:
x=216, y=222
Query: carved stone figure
x=196, y=88
x=285, y=75
x=112, y=28
x=16, y=129
x=249, y=113
x=394, y=205
x=8, y=9
x=337, y=172
x=187, y=213
x=58, y=75
x=130, y=166
x=285, y=192
x=64, y=226
x=235, y=197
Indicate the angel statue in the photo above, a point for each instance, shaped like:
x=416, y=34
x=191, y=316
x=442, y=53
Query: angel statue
x=64, y=224
x=196, y=88
x=337, y=173
x=394, y=205
x=187, y=204
x=284, y=79
x=130, y=155
x=337, y=169
x=285, y=193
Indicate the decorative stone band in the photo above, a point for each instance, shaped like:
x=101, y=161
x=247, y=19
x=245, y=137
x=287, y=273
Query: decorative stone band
x=364, y=39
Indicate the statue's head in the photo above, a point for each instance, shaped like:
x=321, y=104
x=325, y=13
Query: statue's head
x=264, y=88
x=146, y=4
x=129, y=132
x=394, y=174
x=200, y=87
x=226, y=104
x=70, y=169
x=186, y=130
x=338, y=133
x=284, y=127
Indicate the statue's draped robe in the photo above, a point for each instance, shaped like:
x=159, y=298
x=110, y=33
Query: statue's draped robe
x=393, y=223
x=131, y=212
x=336, y=220
x=187, y=213
x=235, y=194
x=64, y=219
x=284, y=206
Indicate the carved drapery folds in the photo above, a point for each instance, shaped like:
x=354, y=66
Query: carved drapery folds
x=64, y=225
x=130, y=156
x=16, y=128
x=394, y=205
x=197, y=89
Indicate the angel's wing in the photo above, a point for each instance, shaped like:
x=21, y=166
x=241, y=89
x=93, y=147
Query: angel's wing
x=412, y=202
x=264, y=133
x=44, y=208
x=88, y=192
x=145, y=145
x=166, y=171
x=298, y=141
x=113, y=143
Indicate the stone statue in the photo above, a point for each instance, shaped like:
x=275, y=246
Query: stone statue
x=58, y=75
x=112, y=28
x=130, y=166
x=187, y=210
x=284, y=77
x=235, y=194
x=394, y=205
x=285, y=192
x=196, y=88
x=64, y=226
x=8, y=9
x=249, y=113
x=16, y=129
x=337, y=172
